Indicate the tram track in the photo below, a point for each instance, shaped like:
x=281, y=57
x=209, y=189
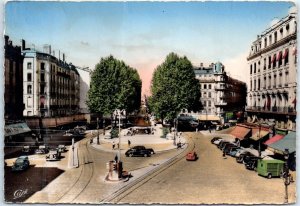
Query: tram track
x=86, y=163
x=120, y=194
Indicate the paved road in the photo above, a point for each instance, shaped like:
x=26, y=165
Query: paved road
x=87, y=184
x=209, y=180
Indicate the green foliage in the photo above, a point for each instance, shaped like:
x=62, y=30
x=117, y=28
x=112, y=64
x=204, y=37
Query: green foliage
x=174, y=87
x=114, y=85
x=114, y=133
x=165, y=131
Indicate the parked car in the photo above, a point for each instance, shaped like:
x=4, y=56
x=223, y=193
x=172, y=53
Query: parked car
x=137, y=152
x=144, y=148
x=234, y=150
x=230, y=144
x=191, y=156
x=53, y=155
x=270, y=167
x=21, y=164
x=228, y=148
x=27, y=149
x=240, y=158
x=223, y=143
x=218, y=141
x=214, y=139
x=61, y=148
x=43, y=149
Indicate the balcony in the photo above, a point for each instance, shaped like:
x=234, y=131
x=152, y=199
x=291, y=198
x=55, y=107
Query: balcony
x=274, y=109
x=220, y=103
x=219, y=88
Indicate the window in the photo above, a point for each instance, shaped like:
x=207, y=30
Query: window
x=258, y=87
x=254, y=68
x=265, y=82
x=269, y=83
x=29, y=65
x=280, y=79
x=287, y=27
x=286, y=80
x=42, y=66
x=274, y=61
x=258, y=65
x=209, y=103
x=275, y=36
x=204, y=94
x=251, y=69
x=275, y=81
x=281, y=33
x=42, y=77
x=265, y=63
x=269, y=65
x=29, y=77
x=270, y=40
x=204, y=86
x=250, y=85
x=209, y=86
x=209, y=94
x=254, y=84
x=286, y=56
x=266, y=42
x=280, y=58
x=29, y=89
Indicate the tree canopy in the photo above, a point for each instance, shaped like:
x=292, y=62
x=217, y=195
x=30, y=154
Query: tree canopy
x=174, y=87
x=114, y=85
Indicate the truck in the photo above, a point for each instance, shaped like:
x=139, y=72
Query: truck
x=270, y=167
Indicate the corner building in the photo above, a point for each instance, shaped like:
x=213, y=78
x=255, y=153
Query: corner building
x=273, y=76
x=221, y=95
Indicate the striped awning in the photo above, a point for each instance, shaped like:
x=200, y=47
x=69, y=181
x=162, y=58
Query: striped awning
x=274, y=139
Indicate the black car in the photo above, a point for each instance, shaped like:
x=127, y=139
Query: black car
x=240, y=159
x=221, y=143
x=214, y=139
x=137, y=152
x=227, y=149
x=21, y=164
x=249, y=158
x=252, y=164
x=144, y=148
x=224, y=145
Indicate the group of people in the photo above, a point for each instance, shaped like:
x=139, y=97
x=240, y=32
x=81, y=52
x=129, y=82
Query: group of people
x=118, y=145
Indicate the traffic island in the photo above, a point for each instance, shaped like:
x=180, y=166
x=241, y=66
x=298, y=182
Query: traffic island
x=116, y=173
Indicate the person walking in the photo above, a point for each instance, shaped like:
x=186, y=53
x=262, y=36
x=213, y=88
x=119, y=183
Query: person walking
x=113, y=146
x=129, y=143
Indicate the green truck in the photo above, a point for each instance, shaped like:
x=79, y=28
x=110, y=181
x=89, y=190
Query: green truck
x=270, y=167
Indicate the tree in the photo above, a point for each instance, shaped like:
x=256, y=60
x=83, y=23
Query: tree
x=174, y=87
x=114, y=85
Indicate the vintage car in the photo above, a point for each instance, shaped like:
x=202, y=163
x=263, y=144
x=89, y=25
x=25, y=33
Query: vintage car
x=53, y=155
x=139, y=151
x=191, y=156
x=21, y=164
x=27, y=149
x=61, y=148
x=42, y=150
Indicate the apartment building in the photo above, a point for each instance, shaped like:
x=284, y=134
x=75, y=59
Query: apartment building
x=13, y=77
x=51, y=86
x=220, y=93
x=272, y=64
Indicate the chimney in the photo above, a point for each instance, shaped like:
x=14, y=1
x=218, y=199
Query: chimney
x=58, y=54
x=63, y=57
x=23, y=44
x=6, y=39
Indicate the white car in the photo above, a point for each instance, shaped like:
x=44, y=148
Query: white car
x=217, y=142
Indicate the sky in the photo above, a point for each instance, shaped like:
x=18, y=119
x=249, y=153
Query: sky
x=142, y=34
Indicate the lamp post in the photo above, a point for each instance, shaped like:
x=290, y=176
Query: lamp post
x=286, y=175
x=259, y=131
x=98, y=142
x=118, y=113
x=103, y=127
x=174, y=132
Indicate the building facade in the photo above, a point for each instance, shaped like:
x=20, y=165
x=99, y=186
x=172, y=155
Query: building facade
x=220, y=93
x=13, y=76
x=273, y=76
x=51, y=86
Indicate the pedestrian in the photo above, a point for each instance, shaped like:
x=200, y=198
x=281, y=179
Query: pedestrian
x=116, y=158
x=113, y=146
x=129, y=143
x=224, y=155
x=118, y=145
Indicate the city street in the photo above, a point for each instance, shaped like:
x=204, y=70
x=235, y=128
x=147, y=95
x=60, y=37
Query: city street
x=209, y=180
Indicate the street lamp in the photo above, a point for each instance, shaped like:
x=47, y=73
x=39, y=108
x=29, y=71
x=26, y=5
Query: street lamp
x=286, y=176
x=259, y=131
x=98, y=142
x=118, y=113
x=174, y=132
x=103, y=127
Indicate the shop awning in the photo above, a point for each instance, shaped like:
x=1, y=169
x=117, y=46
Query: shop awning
x=14, y=129
x=274, y=139
x=259, y=134
x=204, y=117
x=288, y=142
x=240, y=132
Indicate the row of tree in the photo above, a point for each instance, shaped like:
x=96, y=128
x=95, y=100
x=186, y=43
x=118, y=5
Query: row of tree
x=116, y=85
